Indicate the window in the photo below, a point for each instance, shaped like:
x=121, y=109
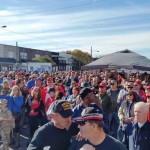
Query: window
x=11, y=54
x=23, y=55
x=37, y=55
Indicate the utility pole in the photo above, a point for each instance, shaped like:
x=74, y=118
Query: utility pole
x=17, y=52
x=91, y=54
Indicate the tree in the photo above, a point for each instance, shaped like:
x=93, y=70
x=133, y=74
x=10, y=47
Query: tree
x=44, y=59
x=80, y=57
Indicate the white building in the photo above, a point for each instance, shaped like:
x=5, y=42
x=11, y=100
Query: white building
x=68, y=59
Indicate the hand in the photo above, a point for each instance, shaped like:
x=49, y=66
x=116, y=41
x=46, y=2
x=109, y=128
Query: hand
x=127, y=120
x=79, y=137
x=33, y=102
x=32, y=111
x=87, y=147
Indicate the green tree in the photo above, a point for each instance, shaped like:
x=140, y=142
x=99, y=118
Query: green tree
x=80, y=57
x=83, y=57
x=44, y=59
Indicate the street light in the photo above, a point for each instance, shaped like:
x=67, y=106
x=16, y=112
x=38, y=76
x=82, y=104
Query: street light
x=17, y=50
x=4, y=26
x=92, y=53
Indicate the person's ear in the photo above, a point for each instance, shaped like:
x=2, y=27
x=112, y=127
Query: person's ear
x=53, y=115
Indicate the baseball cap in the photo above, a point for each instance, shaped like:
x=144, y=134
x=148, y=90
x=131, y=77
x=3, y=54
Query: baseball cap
x=62, y=107
x=148, y=95
x=39, y=79
x=84, y=92
x=102, y=84
x=148, y=87
x=130, y=84
x=90, y=113
x=33, y=76
x=19, y=74
x=49, y=79
x=84, y=84
x=113, y=81
x=137, y=81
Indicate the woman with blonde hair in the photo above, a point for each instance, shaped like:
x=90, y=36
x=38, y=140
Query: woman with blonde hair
x=15, y=105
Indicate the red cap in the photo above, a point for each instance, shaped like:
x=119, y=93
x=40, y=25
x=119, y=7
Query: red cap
x=148, y=94
x=137, y=81
x=19, y=74
x=102, y=84
x=148, y=88
x=49, y=79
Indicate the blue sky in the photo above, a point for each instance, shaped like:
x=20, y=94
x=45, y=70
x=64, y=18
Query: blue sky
x=57, y=25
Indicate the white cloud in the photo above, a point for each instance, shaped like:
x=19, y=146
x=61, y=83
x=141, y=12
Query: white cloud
x=73, y=30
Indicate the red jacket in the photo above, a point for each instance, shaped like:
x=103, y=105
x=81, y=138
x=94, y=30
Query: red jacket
x=142, y=95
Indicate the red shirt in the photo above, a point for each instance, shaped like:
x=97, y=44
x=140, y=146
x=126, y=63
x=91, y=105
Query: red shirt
x=34, y=106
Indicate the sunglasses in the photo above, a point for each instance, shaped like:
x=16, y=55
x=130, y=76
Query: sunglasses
x=81, y=123
x=111, y=83
x=129, y=94
x=130, y=87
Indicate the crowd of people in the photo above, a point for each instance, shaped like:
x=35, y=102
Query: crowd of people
x=76, y=110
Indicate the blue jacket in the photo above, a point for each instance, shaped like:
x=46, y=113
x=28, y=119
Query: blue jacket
x=15, y=103
x=137, y=139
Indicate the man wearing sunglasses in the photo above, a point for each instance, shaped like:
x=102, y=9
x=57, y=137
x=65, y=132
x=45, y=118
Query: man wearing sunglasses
x=56, y=134
x=91, y=128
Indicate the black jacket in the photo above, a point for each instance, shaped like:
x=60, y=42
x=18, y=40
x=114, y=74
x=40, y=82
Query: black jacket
x=137, y=138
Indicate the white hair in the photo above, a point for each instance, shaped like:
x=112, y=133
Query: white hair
x=143, y=106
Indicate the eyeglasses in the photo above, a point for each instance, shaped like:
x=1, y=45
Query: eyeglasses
x=130, y=94
x=130, y=87
x=81, y=123
x=111, y=83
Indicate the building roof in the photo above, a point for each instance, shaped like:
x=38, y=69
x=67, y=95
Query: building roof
x=121, y=59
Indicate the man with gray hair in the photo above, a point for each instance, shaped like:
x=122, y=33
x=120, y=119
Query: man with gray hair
x=137, y=133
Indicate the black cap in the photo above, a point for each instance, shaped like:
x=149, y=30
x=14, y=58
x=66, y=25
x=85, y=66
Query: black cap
x=51, y=90
x=39, y=79
x=63, y=108
x=84, y=92
x=85, y=84
x=90, y=113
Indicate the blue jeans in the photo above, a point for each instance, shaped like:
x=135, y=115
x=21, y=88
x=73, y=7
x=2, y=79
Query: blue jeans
x=113, y=124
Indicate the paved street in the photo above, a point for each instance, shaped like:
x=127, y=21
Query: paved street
x=24, y=140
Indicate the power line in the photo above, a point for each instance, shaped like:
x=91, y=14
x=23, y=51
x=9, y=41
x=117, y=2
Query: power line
x=37, y=37
x=84, y=4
